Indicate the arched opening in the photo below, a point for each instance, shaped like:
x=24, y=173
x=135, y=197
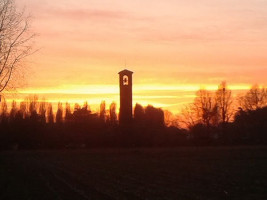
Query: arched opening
x=125, y=80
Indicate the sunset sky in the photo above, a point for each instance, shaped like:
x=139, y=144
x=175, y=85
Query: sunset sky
x=173, y=46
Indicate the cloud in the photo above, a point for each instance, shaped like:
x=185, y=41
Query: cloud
x=84, y=14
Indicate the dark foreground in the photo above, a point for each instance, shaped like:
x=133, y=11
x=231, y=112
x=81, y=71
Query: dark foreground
x=180, y=173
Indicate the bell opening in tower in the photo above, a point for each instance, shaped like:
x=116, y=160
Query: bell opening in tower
x=125, y=79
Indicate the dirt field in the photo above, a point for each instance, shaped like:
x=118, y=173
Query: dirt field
x=180, y=173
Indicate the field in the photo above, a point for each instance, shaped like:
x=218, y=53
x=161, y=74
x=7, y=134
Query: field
x=179, y=173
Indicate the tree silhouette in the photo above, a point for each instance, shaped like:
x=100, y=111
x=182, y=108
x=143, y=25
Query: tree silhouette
x=26, y=128
x=206, y=108
x=4, y=112
x=112, y=113
x=59, y=115
x=42, y=111
x=170, y=119
x=33, y=104
x=189, y=115
x=139, y=113
x=50, y=115
x=255, y=98
x=68, y=114
x=86, y=107
x=224, y=102
x=23, y=109
x=102, y=113
x=154, y=116
x=15, y=41
x=13, y=111
x=81, y=114
x=251, y=125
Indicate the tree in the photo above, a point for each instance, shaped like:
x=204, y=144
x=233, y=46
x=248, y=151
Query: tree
x=224, y=102
x=112, y=113
x=23, y=110
x=33, y=103
x=255, y=98
x=50, y=115
x=59, y=115
x=154, y=116
x=13, y=111
x=189, y=116
x=206, y=108
x=68, y=115
x=102, y=114
x=86, y=107
x=15, y=41
x=42, y=111
x=171, y=119
x=4, y=111
x=139, y=113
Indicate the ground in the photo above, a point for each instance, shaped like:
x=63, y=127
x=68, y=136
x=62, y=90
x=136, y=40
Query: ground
x=177, y=173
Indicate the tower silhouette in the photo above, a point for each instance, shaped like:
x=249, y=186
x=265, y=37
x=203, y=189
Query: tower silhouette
x=126, y=106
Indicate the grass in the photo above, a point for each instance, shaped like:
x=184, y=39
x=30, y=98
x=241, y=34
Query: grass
x=179, y=173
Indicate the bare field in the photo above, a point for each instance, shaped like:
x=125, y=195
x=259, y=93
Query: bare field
x=179, y=173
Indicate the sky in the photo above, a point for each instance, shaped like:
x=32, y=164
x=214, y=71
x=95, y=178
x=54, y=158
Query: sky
x=174, y=47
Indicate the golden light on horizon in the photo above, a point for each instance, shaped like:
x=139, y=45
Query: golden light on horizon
x=168, y=97
x=174, y=49
x=114, y=89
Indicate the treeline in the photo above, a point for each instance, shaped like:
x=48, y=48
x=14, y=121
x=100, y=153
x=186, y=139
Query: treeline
x=219, y=117
x=34, y=125
x=214, y=118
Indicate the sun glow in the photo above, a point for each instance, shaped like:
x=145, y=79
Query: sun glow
x=170, y=97
x=114, y=89
x=84, y=44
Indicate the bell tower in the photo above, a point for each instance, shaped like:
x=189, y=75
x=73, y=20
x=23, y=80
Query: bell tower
x=126, y=107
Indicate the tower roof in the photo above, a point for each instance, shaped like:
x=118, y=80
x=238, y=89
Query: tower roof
x=126, y=71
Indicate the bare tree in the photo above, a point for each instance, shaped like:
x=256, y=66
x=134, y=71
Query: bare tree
x=206, y=108
x=224, y=102
x=189, y=115
x=15, y=41
x=255, y=98
x=171, y=119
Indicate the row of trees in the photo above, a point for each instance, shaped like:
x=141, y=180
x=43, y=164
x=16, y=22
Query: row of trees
x=32, y=108
x=33, y=124
x=221, y=107
x=40, y=110
x=213, y=118
x=209, y=108
x=226, y=118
